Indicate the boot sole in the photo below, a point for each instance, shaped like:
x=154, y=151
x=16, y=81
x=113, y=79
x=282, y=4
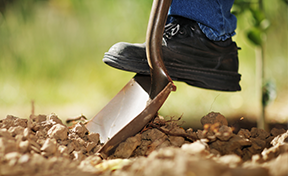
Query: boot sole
x=199, y=77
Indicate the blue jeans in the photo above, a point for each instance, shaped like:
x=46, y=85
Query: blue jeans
x=213, y=16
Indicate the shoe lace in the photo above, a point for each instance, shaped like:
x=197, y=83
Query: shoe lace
x=174, y=28
x=170, y=30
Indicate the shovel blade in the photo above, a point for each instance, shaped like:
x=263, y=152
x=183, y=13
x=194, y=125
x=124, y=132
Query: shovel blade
x=122, y=109
x=138, y=122
x=127, y=113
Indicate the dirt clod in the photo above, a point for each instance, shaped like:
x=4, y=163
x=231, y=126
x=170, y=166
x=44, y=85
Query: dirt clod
x=80, y=130
x=53, y=119
x=213, y=118
x=125, y=149
x=94, y=137
x=58, y=131
x=49, y=147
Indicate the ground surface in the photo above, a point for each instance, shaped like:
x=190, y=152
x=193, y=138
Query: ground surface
x=45, y=146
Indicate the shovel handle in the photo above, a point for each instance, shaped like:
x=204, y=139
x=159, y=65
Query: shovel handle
x=155, y=29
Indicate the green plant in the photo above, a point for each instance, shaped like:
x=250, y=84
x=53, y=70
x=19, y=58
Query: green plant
x=256, y=34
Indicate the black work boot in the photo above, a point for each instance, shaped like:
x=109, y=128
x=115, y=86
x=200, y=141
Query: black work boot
x=188, y=55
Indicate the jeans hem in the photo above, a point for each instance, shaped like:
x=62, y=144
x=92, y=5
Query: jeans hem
x=213, y=35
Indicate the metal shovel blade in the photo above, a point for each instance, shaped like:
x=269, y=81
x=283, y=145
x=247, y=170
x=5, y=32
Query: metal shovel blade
x=138, y=102
x=122, y=109
x=127, y=113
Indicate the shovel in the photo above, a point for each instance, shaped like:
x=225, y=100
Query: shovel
x=141, y=98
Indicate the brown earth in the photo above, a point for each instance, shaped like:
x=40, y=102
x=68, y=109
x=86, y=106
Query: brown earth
x=43, y=145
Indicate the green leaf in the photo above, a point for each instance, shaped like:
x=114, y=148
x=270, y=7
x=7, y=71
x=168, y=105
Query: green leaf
x=255, y=36
x=258, y=16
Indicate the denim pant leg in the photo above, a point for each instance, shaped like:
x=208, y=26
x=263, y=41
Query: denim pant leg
x=213, y=16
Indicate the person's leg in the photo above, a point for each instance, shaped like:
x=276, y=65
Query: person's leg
x=206, y=59
x=213, y=16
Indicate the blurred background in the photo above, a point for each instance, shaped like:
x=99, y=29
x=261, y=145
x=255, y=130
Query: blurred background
x=51, y=52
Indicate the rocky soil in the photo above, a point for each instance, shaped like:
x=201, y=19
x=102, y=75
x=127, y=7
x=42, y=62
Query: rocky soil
x=44, y=145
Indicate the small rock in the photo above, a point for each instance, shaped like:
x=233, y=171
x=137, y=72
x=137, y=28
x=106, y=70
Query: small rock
x=90, y=146
x=196, y=147
x=71, y=147
x=177, y=141
x=200, y=134
x=244, y=133
x=24, y=159
x=213, y=118
x=21, y=122
x=125, y=149
x=152, y=134
x=142, y=148
x=8, y=121
x=277, y=131
x=46, y=125
x=158, y=143
x=94, y=137
x=24, y=146
x=49, y=147
x=80, y=130
x=72, y=135
x=259, y=133
x=257, y=145
x=233, y=146
x=62, y=149
x=53, y=118
x=193, y=134
x=40, y=118
x=5, y=133
x=26, y=133
x=76, y=144
x=237, y=140
x=211, y=136
x=225, y=133
x=40, y=134
x=58, y=131
x=81, y=142
x=16, y=130
x=82, y=145
x=35, y=126
x=78, y=155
